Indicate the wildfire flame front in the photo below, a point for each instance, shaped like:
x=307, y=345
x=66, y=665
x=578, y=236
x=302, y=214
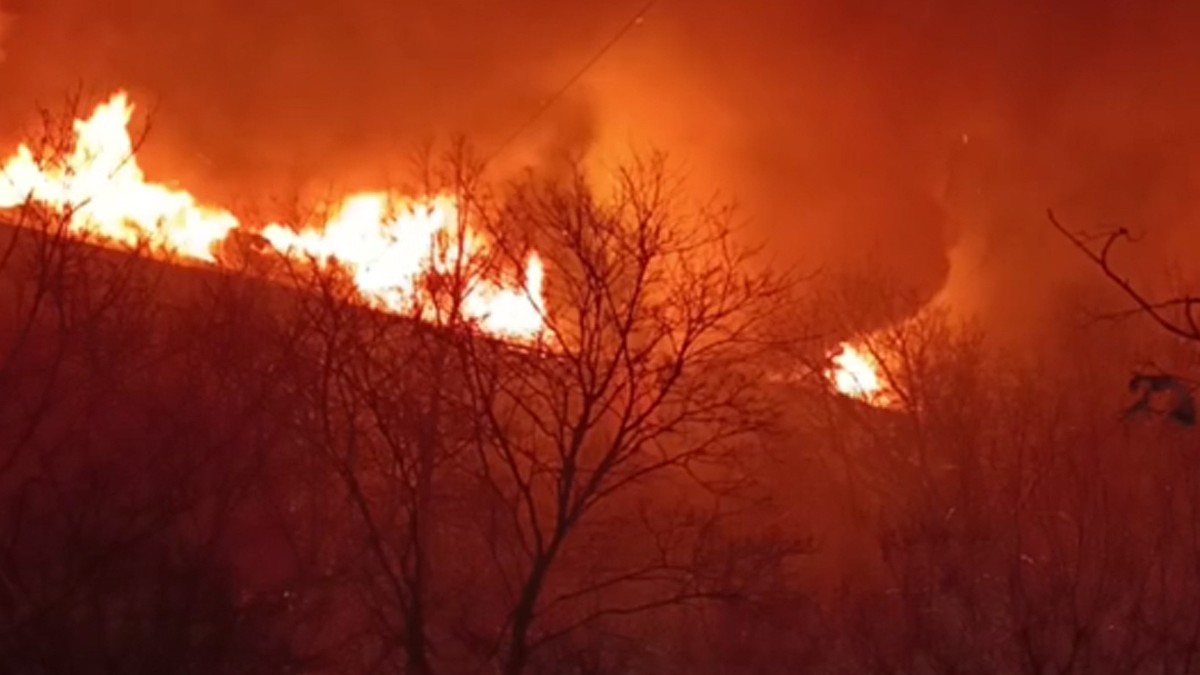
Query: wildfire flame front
x=387, y=247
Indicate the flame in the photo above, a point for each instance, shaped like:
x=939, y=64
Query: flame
x=856, y=373
x=101, y=185
x=388, y=247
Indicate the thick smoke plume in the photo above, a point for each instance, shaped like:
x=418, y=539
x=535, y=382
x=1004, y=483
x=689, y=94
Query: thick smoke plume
x=888, y=133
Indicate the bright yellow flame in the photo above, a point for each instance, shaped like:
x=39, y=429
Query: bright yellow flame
x=855, y=373
x=389, y=248
x=101, y=185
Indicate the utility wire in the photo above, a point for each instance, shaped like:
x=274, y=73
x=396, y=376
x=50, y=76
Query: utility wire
x=633, y=21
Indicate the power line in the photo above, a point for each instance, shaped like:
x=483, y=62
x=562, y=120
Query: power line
x=633, y=21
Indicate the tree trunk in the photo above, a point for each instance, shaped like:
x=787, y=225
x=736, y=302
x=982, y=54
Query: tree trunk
x=422, y=521
x=523, y=614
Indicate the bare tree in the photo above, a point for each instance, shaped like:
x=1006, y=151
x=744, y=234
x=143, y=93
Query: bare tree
x=1176, y=316
x=127, y=459
x=594, y=443
x=206, y=461
x=1021, y=528
x=380, y=399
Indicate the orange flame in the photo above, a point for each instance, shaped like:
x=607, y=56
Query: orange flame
x=856, y=373
x=389, y=246
x=101, y=185
x=387, y=250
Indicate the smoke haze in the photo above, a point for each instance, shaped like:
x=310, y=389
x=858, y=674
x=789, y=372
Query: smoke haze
x=886, y=133
x=4, y=21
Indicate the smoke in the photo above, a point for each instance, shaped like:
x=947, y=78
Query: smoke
x=5, y=21
x=250, y=96
x=894, y=132
x=930, y=138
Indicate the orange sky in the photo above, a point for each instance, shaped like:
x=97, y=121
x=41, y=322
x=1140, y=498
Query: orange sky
x=838, y=126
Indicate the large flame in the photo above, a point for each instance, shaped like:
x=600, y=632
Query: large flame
x=387, y=247
x=100, y=183
x=856, y=373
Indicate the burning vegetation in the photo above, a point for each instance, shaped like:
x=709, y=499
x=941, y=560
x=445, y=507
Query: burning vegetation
x=567, y=418
x=386, y=244
x=401, y=420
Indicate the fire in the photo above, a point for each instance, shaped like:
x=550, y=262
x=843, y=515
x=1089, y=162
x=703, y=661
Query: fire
x=856, y=373
x=387, y=247
x=101, y=185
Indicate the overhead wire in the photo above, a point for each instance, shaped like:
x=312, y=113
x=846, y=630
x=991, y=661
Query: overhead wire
x=549, y=102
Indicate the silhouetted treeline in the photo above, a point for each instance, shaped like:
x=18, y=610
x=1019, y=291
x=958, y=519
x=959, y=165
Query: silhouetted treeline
x=246, y=469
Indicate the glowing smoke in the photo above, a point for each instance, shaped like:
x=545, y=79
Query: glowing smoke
x=838, y=126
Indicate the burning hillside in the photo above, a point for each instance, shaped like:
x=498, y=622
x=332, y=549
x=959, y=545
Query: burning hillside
x=387, y=245
x=751, y=351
